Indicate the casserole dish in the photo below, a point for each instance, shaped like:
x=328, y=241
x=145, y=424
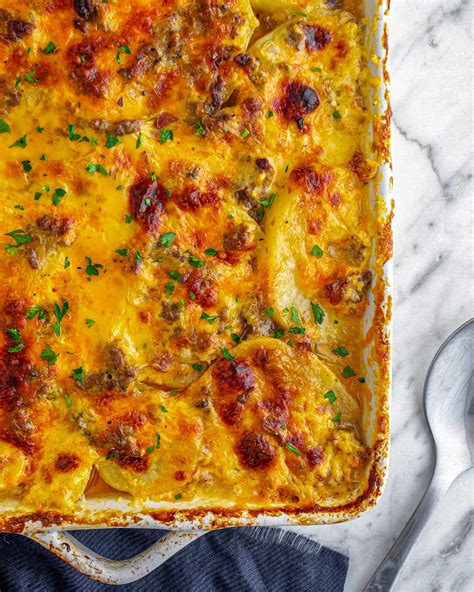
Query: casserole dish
x=99, y=509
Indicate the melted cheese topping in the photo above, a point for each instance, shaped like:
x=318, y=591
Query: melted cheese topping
x=187, y=245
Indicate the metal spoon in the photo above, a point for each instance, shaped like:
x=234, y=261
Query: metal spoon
x=449, y=413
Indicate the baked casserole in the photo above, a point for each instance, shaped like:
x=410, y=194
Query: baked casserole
x=190, y=247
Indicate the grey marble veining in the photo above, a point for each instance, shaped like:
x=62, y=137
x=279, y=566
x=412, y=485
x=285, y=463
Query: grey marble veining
x=431, y=74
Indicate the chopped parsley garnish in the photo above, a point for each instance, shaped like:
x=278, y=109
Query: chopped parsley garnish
x=4, y=127
x=167, y=238
x=195, y=262
x=269, y=202
x=348, y=372
x=96, y=168
x=90, y=322
x=331, y=397
x=112, y=454
x=67, y=398
x=34, y=311
x=318, y=313
x=163, y=408
x=59, y=314
x=336, y=114
x=49, y=355
x=210, y=252
x=192, y=296
x=50, y=48
x=295, y=316
x=361, y=379
x=270, y=311
x=72, y=134
x=166, y=135
x=158, y=440
x=20, y=143
x=210, y=319
x=138, y=256
x=316, y=70
x=197, y=367
x=128, y=218
x=20, y=237
x=278, y=334
x=316, y=251
x=112, y=141
x=139, y=141
x=15, y=336
x=122, y=49
x=175, y=275
x=92, y=268
x=150, y=449
x=31, y=77
x=178, y=496
x=340, y=351
x=67, y=263
x=169, y=288
x=122, y=252
x=200, y=129
x=291, y=448
x=78, y=374
x=270, y=114
x=337, y=418
x=26, y=164
x=227, y=354
x=297, y=330
x=57, y=195
x=245, y=133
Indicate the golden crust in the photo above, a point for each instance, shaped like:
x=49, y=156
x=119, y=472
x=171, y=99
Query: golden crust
x=188, y=255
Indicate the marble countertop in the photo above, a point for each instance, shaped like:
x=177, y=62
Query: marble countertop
x=431, y=74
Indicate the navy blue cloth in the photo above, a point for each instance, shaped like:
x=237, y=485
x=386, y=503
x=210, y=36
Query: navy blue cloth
x=235, y=559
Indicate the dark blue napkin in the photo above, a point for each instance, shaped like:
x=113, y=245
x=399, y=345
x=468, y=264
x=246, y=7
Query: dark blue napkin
x=254, y=559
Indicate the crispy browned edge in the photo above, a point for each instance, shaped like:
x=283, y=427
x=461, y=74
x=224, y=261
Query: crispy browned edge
x=220, y=517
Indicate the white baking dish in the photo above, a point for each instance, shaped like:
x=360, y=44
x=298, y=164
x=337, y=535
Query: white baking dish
x=48, y=530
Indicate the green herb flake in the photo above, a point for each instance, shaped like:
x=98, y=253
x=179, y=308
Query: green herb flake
x=270, y=311
x=340, y=351
x=270, y=114
x=26, y=164
x=49, y=355
x=200, y=129
x=158, y=441
x=59, y=314
x=331, y=397
x=361, y=379
x=167, y=238
x=34, y=311
x=78, y=374
x=178, y=496
x=112, y=454
x=122, y=252
x=20, y=237
x=336, y=114
x=20, y=143
x=292, y=449
x=150, y=449
x=195, y=262
x=295, y=316
x=138, y=143
x=50, y=48
x=227, y=354
x=235, y=337
x=210, y=252
x=112, y=141
x=4, y=127
x=90, y=322
x=278, y=334
x=192, y=296
x=316, y=70
x=197, y=367
x=210, y=319
x=96, y=168
x=318, y=313
x=348, y=372
x=122, y=49
x=30, y=77
x=92, y=268
x=317, y=252
x=337, y=418
x=163, y=408
x=67, y=398
x=169, y=288
x=166, y=135
x=128, y=218
x=269, y=202
x=57, y=196
x=245, y=133
x=67, y=262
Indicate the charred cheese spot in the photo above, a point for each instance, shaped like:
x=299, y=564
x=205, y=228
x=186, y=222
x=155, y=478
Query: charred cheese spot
x=297, y=100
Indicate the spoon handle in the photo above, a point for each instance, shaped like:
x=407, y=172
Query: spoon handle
x=387, y=573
